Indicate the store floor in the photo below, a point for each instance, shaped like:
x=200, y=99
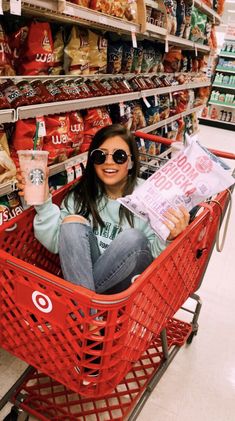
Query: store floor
x=200, y=382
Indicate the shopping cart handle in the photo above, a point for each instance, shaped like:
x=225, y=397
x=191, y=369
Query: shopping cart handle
x=168, y=142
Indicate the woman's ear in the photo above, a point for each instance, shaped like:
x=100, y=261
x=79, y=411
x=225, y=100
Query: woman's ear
x=130, y=164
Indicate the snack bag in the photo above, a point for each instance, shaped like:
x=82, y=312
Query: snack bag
x=138, y=119
x=57, y=140
x=98, y=46
x=76, y=59
x=127, y=58
x=17, y=42
x=198, y=26
x=137, y=59
x=94, y=119
x=115, y=51
x=76, y=131
x=84, y=3
x=10, y=207
x=23, y=137
x=172, y=60
x=192, y=176
x=58, y=53
x=122, y=114
x=6, y=68
x=37, y=52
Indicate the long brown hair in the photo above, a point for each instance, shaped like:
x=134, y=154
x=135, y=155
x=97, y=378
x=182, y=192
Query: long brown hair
x=89, y=191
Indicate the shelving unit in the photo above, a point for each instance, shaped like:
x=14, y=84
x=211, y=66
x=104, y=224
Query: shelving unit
x=221, y=113
x=68, y=13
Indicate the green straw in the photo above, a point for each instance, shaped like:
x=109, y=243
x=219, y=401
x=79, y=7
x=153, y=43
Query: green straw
x=35, y=139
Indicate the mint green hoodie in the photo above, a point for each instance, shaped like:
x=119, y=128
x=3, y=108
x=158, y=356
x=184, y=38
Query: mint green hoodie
x=49, y=217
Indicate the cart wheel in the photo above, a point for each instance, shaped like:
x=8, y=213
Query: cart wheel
x=191, y=336
x=16, y=414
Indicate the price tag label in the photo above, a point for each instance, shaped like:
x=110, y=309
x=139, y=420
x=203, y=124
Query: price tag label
x=170, y=95
x=122, y=109
x=195, y=48
x=78, y=170
x=142, y=143
x=134, y=40
x=15, y=7
x=166, y=45
x=41, y=126
x=70, y=173
x=1, y=10
x=148, y=105
x=156, y=100
x=166, y=128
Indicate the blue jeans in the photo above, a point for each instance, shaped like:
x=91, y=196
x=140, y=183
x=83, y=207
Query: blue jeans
x=110, y=272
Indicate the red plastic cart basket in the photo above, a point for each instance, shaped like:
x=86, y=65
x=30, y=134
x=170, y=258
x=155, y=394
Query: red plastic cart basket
x=45, y=320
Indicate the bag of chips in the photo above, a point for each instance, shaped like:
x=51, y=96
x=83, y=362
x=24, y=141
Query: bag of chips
x=198, y=26
x=193, y=175
x=57, y=140
x=76, y=59
x=17, y=41
x=94, y=119
x=98, y=46
x=127, y=58
x=58, y=53
x=6, y=68
x=37, y=51
x=84, y=3
x=115, y=51
x=23, y=137
x=10, y=207
x=76, y=131
x=137, y=59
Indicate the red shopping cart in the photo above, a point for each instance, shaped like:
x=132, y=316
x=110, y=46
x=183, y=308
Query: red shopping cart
x=45, y=321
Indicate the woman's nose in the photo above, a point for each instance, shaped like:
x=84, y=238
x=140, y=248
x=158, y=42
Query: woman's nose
x=109, y=158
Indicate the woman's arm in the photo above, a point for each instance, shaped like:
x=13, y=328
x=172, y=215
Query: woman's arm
x=47, y=223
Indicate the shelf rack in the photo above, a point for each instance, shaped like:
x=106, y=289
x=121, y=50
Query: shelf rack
x=70, y=13
x=222, y=104
x=218, y=85
x=225, y=70
x=32, y=111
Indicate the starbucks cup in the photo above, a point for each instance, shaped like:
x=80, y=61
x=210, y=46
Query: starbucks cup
x=33, y=165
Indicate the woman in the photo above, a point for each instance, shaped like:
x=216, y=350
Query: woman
x=102, y=246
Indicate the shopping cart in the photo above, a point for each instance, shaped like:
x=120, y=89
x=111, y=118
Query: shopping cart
x=76, y=373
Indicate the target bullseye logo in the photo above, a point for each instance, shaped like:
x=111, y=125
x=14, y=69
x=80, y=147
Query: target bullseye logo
x=42, y=302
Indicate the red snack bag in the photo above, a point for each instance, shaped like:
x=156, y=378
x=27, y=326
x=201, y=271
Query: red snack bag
x=65, y=89
x=23, y=137
x=55, y=91
x=84, y=3
x=29, y=92
x=76, y=131
x=6, y=68
x=95, y=119
x=57, y=140
x=38, y=50
x=13, y=94
x=84, y=88
x=3, y=102
x=17, y=41
x=42, y=91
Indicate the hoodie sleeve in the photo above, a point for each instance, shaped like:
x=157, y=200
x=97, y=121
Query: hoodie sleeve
x=47, y=223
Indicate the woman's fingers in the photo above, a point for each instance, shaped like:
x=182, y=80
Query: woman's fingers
x=176, y=221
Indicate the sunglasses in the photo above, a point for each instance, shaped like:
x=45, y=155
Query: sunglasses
x=99, y=156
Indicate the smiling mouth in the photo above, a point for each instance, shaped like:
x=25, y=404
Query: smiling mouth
x=110, y=171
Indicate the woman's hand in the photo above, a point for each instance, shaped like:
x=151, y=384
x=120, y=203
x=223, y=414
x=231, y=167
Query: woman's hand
x=21, y=183
x=176, y=221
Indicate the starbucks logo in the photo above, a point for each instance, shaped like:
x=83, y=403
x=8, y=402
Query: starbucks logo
x=36, y=176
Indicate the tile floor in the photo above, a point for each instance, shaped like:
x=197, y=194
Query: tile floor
x=200, y=382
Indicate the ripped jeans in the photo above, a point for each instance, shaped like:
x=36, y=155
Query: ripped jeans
x=107, y=273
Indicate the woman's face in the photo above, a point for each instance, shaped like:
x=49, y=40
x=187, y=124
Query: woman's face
x=111, y=173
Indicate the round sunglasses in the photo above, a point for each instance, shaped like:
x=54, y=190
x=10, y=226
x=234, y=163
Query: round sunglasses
x=99, y=156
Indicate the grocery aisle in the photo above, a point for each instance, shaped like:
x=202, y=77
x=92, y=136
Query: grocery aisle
x=200, y=383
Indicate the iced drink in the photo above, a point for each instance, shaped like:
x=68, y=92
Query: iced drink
x=33, y=165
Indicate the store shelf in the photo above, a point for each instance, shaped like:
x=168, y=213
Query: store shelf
x=218, y=121
x=171, y=119
x=218, y=85
x=155, y=31
x=229, y=55
x=222, y=104
x=187, y=44
x=71, y=162
x=225, y=70
x=208, y=11
x=32, y=111
x=68, y=12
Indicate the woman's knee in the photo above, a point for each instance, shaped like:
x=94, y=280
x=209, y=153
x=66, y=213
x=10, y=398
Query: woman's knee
x=134, y=238
x=75, y=218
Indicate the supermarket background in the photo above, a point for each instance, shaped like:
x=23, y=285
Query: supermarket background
x=200, y=382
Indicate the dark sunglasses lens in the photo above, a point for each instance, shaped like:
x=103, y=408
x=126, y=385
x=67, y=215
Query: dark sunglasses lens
x=98, y=157
x=120, y=156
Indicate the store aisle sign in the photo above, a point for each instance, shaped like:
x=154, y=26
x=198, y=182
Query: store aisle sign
x=15, y=7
